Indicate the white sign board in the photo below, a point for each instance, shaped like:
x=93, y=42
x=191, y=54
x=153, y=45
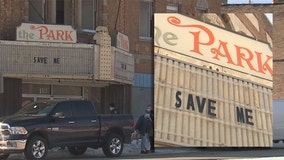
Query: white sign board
x=36, y=58
x=123, y=66
x=209, y=43
x=46, y=33
x=122, y=42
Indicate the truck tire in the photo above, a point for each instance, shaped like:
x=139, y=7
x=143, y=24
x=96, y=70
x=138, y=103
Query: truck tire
x=113, y=146
x=4, y=156
x=36, y=148
x=77, y=150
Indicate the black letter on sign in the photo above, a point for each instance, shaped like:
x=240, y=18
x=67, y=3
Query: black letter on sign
x=200, y=104
x=244, y=116
x=178, y=100
x=240, y=115
x=249, y=116
x=190, y=102
x=211, y=107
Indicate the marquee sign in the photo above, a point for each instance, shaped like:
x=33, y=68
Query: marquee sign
x=47, y=59
x=206, y=42
x=46, y=33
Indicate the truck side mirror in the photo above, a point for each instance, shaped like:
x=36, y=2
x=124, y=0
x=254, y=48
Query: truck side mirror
x=58, y=115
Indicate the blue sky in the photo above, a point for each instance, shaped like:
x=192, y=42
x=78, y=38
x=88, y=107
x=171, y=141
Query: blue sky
x=269, y=15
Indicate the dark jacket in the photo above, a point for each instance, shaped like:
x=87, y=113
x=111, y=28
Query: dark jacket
x=152, y=117
x=141, y=125
x=150, y=127
x=144, y=125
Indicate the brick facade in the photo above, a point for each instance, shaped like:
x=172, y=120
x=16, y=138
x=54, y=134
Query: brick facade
x=12, y=14
x=123, y=16
x=278, y=36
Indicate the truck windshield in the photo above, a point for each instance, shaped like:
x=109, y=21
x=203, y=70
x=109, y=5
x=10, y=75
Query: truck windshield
x=37, y=108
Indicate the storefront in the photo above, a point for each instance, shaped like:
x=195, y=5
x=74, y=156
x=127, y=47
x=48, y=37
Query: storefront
x=49, y=64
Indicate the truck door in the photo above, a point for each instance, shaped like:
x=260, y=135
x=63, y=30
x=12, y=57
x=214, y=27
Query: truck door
x=87, y=122
x=63, y=125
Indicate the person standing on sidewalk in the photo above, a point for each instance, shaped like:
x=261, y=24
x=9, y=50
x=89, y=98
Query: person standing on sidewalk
x=143, y=126
x=150, y=110
x=113, y=109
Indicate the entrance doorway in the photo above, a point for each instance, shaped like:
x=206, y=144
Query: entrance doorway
x=27, y=98
x=41, y=92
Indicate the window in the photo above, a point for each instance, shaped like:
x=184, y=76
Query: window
x=88, y=16
x=202, y=6
x=173, y=8
x=36, y=11
x=145, y=19
x=67, y=90
x=50, y=12
x=60, y=12
x=83, y=109
x=63, y=12
x=37, y=108
x=65, y=108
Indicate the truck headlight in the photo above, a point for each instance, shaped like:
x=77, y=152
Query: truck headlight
x=18, y=130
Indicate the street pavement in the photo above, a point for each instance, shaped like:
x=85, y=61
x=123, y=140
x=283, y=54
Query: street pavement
x=132, y=151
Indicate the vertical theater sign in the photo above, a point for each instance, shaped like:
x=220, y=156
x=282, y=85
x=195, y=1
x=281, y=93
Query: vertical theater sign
x=212, y=87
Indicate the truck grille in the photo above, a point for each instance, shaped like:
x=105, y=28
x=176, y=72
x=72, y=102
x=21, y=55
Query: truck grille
x=4, y=131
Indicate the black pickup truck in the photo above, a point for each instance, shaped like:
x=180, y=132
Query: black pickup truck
x=40, y=126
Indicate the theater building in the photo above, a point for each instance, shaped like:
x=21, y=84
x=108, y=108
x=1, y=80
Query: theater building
x=127, y=21
x=55, y=61
x=45, y=62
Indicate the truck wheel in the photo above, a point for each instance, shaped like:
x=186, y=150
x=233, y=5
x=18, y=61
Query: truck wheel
x=77, y=150
x=275, y=141
x=4, y=156
x=113, y=146
x=36, y=148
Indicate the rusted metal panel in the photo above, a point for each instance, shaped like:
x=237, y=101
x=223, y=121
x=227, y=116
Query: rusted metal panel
x=46, y=59
x=199, y=106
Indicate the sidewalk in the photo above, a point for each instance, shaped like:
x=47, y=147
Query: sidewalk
x=129, y=150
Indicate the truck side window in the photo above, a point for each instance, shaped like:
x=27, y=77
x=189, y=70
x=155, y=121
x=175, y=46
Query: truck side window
x=65, y=108
x=83, y=108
